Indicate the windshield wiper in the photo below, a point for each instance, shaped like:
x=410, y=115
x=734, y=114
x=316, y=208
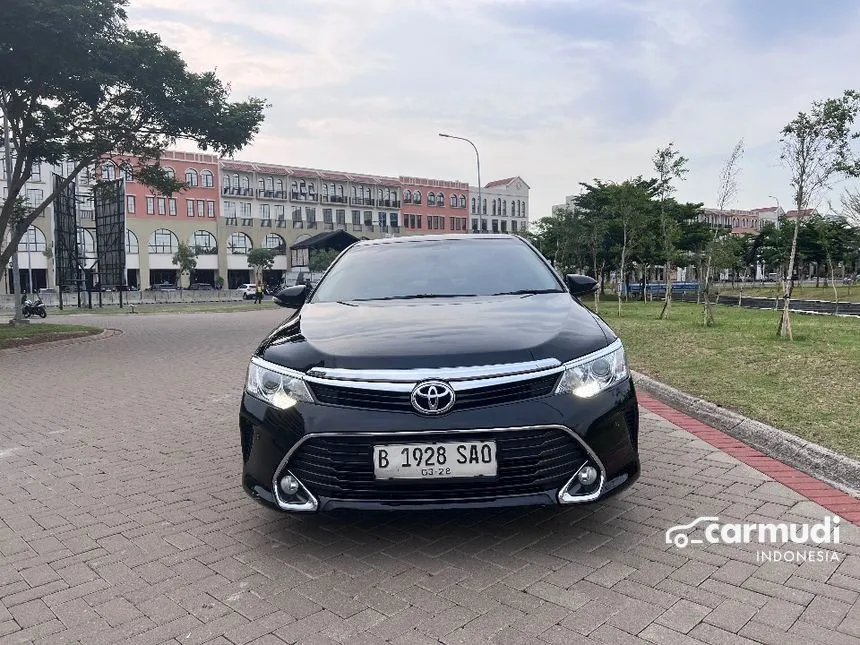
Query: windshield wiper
x=416, y=296
x=526, y=292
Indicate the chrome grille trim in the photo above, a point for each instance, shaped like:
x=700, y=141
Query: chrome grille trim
x=450, y=374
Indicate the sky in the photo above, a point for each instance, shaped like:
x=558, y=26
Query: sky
x=556, y=91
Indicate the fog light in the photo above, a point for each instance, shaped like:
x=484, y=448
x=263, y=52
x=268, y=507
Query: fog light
x=290, y=485
x=587, y=476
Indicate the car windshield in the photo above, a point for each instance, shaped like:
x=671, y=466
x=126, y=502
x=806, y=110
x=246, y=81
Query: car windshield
x=436, y=269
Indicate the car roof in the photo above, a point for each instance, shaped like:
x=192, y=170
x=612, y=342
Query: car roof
x=437, y=237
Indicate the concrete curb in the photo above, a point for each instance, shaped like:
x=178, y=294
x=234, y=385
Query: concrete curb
x=836, y=470
x=107, y=333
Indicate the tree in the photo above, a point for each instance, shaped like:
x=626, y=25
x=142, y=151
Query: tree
x=670, y=165
x=320, y=259
x=185, y=259
x=728, y=188
x=261, y=259
x=103, y=90
x=816, y=148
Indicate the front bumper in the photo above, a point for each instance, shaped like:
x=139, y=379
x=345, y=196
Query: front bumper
x=542, y=444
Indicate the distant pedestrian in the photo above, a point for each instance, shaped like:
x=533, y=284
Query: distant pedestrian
x=258, y=295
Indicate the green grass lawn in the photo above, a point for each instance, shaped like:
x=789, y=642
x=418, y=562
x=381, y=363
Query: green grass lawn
x=173, y=308
x=809, y=386
x=41, y=332
x=847, y=293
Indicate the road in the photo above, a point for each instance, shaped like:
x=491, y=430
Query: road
x=122, y=520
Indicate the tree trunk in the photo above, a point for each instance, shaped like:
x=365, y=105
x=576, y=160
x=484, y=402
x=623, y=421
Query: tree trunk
x=743, y=282
x=784, y=330
x=833, y=282
x=621, y=277
x=667, y=305
x=596, y=293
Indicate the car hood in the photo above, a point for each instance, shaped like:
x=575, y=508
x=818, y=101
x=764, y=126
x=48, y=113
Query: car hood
x=455, y=332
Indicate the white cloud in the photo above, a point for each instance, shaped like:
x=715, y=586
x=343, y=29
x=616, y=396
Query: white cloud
x=366, y=86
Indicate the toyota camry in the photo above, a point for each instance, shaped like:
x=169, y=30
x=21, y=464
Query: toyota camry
x=438, y=371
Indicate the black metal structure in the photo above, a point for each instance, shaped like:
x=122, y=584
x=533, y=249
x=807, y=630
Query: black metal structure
x=66, y=235
x=109, y=200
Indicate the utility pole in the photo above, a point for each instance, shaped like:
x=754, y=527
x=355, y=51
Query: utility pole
x=18, y=319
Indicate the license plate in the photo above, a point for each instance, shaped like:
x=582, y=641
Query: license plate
x=441, y=460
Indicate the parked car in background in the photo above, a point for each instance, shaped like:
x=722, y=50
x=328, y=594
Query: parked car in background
x=247, y=291
x=163, y=286
x=476, y=378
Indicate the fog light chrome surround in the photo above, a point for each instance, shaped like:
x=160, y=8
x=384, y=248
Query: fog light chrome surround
x=594, y=489
x=290, y=493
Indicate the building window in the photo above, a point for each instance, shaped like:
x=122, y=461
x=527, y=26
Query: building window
x=368, y=218
x=504, y=226
x=32, y=240
x=150, y=205
x=416, y=197
x=431, y=198
x=239, y=244
x=35, y=173
x=279, y=212
x=474, y=224
x=201, y=208
x=311, y=214
x=356, y=218
x=34, y=196
x=453, y=201
x=340, y=216
x=210, y=208
x=407, y=197
x=418, y=221
x=327, y=216
x=108, y=171
x=505, y=208
x=126, y=173
x=204, y=242
x=171, y=207
x=189, y=207
x=132, y=246
x=279, y=185
x=494, y=207
x=191, y=177
x=208, y=179
x=440, y=200
x=226, y=181
x=462, y=201
x=484, y=206
x=162, y=206
x=230, y=210
x=514, y=226
x=245, y=182
x=265, y=213
x=129, y=204
x=163, y=241
x=170, y=172
x=382, y=220
x=275, y=241
x=270, y=184
x=394, y=219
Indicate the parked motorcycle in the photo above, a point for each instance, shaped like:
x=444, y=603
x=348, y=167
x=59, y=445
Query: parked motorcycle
x=34, y=308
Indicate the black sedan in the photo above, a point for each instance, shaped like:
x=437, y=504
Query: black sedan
x=442, y=371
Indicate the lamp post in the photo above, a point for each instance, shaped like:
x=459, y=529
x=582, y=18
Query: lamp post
x=18, y=319
x=478, y=158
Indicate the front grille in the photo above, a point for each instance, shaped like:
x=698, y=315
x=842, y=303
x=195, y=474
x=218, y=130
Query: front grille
x=529, y=461
x=466, y=400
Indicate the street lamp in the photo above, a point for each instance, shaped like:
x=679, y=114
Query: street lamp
x=478, y=157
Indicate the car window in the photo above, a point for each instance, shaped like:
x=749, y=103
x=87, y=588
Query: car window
x=459, y=267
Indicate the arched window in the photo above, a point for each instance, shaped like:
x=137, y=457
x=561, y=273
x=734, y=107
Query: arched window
x=473, y=204
x=208, y=180
x=86, y=243
x=312, y=189
x=236, y=180
x=431, y=198
x=453, y=201
x=204, y=242
x=170, y=172
x=239, y=244
x=354, y=192
x=163, y=241
x=505, y=208
x=379, y=194
x=440, y=199
x=340, y=190
x=416, y=197
x=463, y=202
x=33, y=240
x=226, y=180
x=108, y=171
x=275, y=241
x=519, y=208
x=494, y=207
x=407, y=197
x=191, y=177
x=245, y=181
x=387, y=193
x=484, y=206
x=270, y=183
x=132, y=246
x=262, y=183
x=394, y=194
x=294, y=187
x=279, y=185
x=325, y=191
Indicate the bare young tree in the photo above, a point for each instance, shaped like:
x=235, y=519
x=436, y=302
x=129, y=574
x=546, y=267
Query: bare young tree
x=670, y=165
x=727, y=191
x=816, y=148
x=851, y=206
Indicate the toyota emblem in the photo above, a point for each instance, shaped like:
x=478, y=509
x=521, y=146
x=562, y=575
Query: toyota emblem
x=433, y=397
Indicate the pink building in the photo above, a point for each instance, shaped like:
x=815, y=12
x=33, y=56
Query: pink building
x=434, y=205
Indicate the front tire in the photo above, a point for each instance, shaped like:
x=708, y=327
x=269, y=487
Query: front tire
x=43, y=314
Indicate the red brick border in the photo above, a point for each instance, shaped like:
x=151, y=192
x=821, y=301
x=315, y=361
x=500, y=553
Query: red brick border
x=832, y=499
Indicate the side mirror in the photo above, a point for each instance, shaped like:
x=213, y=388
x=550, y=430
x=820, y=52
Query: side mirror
x=580, y=285
x=291, y=297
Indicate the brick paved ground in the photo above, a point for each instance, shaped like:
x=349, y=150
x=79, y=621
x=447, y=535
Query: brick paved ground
x=122, y=520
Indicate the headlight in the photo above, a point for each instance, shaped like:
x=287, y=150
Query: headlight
x=590, y=376
x=278, y=389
